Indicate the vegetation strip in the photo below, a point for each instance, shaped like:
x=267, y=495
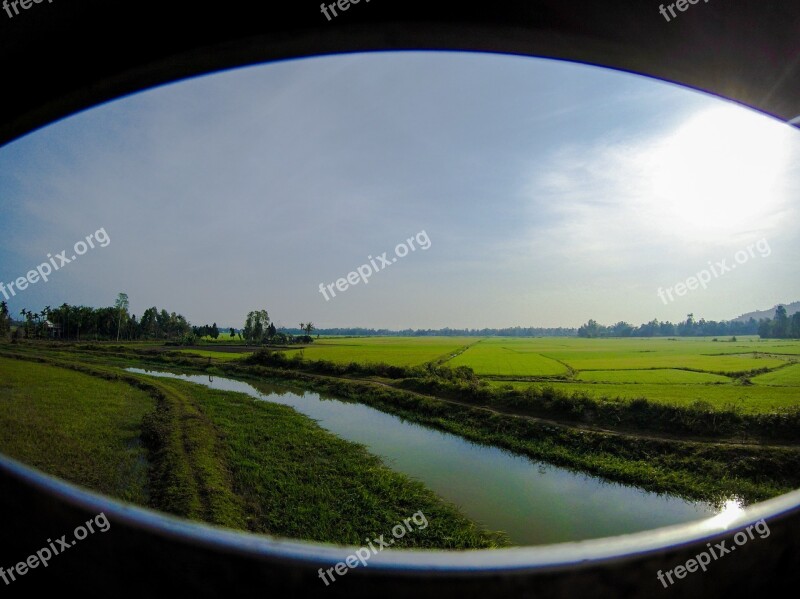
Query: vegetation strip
x=228, y=459
x=694, y=470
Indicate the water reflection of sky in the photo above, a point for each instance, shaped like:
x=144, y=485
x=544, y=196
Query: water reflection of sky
x=534, y=503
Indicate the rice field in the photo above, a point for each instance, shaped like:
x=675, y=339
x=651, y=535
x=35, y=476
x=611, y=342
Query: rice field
x=397, y=351
x=536, y=357
x=788, y=377
x=677, y=371
x=509, y=358
x=217, y=355
x=753, y=374
x=751, y=399
x=660, y=376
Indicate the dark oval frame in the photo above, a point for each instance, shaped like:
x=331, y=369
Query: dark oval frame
x=64, y=57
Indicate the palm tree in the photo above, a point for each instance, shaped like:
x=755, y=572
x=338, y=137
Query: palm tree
x=302, y=327
x=5, y=320
x=309, y=328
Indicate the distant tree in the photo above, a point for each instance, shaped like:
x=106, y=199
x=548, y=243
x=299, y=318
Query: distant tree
x=780, y=325
x=309, y=328
x=621, y=329
x=5, y=320
x=255, y=327
x=794, y=329
x=24, y=313
x=233, y=333
x=666, y=329
x=148, y=324
x=590, y=329
x=765, y=328
x=686, y=328
x=121, y=305
x=214, y=331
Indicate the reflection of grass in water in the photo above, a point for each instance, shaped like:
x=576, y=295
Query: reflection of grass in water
x=709, y=472
x=301, y=481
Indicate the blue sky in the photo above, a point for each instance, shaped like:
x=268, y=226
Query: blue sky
x=551, y=192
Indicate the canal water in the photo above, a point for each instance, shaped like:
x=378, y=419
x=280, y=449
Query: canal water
x=533, y=502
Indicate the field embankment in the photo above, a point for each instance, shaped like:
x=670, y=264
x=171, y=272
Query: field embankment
x=222, y=457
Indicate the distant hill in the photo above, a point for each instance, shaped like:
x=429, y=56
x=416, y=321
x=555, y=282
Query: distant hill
x=758, y=314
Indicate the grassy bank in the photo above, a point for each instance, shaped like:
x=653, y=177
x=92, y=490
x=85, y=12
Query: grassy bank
x=74, y=426
x=227, y=459
x=694, y=470
x=298, y=480
x=709, y=471
x=567, y=402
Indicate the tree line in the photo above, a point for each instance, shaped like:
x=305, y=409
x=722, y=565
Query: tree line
x=782, y=326
x=260, y=330
x=82, y=323
x=444, y=332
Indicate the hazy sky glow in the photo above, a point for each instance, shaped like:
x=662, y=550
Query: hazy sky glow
x=551, y=192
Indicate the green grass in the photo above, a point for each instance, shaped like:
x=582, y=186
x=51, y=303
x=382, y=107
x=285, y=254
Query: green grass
x=299, y=481
x=613, y=360
x=224, y=338
x=696, y=471
x=231, y=460
x=76, y=427
x=678, y=371
x=217, y=355
x=786, y=377
x=507, y=358
x=541, y=356
x=213, y=456
x=752, y=399
x=655, y=376
x=397, y=351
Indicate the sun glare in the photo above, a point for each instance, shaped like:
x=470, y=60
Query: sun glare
x=721, y=170
x=732, y=509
